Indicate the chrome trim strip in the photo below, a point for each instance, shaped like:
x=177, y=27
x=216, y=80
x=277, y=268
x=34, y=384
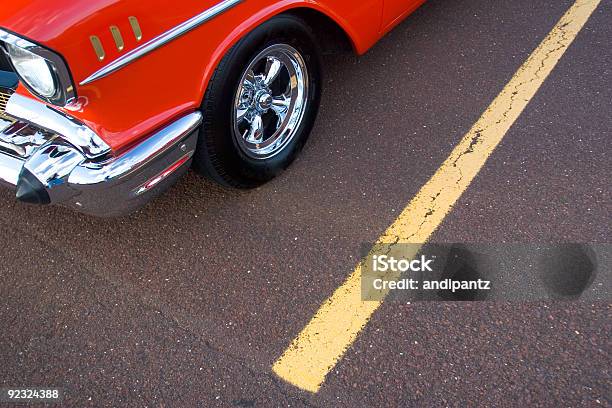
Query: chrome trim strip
x=67, y=127
x=162, y=40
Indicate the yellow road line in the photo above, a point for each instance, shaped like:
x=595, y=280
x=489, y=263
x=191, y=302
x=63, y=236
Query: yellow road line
x=317, y=349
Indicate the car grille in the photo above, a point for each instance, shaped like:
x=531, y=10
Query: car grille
x=5, y=94
x=4, y=97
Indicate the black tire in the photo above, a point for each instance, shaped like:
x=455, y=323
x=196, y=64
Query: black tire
x=218, y=155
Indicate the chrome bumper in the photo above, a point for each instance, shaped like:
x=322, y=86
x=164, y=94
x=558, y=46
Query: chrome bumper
x=49, y=157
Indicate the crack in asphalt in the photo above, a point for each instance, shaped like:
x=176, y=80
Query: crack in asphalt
x=477, y=137
x=178, y=317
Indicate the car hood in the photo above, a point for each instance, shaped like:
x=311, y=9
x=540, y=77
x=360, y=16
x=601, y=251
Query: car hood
x=45, y=20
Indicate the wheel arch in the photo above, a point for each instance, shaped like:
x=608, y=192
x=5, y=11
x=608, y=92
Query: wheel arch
x=334, y=33
x=332, y=36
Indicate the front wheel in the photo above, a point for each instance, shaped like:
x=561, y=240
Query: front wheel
x=260, y=105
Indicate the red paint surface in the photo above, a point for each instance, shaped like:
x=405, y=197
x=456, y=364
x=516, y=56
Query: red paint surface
x=150, y=92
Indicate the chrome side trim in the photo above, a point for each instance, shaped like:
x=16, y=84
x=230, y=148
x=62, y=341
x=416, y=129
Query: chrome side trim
x=72, y=130
x=162, y=40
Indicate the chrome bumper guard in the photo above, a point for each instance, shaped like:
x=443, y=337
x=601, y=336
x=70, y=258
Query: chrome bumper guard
x=49, y=157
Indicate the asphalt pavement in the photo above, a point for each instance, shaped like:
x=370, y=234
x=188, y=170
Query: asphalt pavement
x=191, y=300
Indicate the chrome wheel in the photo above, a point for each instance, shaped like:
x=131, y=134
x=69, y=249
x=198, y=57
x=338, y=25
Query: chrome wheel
x=270, y=101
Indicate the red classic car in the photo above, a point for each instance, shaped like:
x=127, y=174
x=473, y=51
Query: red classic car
x=105, y=103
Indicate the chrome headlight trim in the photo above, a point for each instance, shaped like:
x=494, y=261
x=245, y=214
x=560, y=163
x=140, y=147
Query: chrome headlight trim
x=65, y=90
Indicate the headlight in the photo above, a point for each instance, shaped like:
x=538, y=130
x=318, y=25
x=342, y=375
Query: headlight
x=34, y=70
x=41, y=70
